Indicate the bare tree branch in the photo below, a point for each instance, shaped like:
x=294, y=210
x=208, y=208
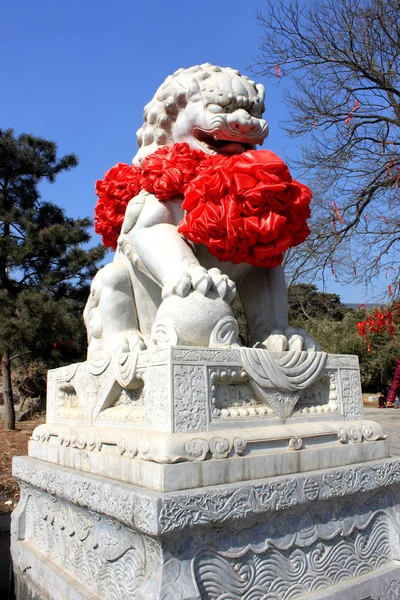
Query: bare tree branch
x=339, y=63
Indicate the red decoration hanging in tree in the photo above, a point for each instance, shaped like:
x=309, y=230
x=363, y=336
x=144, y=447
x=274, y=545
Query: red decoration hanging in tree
x=380, y=321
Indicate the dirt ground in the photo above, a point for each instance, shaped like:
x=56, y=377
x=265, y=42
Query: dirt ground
x=13, y=443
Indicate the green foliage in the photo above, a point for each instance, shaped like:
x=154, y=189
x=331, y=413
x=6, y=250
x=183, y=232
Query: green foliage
x=341, y=337
x=45, y=269
x=306, y=302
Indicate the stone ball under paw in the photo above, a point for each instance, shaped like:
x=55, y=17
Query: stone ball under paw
x=189, y=321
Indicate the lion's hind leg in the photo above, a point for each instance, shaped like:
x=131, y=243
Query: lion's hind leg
x=110, y=314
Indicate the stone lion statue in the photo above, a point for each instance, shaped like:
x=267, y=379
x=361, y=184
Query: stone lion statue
x=161, y=288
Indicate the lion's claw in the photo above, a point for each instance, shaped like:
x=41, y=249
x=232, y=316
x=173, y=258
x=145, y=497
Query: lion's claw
x=202, y=281
x=178, y=287
x=225, y=287
x=291, y=339
x=276, y=342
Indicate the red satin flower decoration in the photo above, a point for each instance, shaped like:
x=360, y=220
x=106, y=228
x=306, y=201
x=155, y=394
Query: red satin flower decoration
x=167, y=170
x=246, y=208
x=120, y=184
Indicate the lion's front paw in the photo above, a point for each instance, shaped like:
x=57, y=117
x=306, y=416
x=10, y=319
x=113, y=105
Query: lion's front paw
x=125, y=341
x=201, y=280
x=291, y=339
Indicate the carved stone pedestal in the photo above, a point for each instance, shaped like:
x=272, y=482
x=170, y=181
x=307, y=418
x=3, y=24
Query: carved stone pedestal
x=190, y=473
x=77, y=536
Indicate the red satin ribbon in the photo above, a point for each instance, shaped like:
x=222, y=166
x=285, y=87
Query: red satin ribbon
x=244, y=208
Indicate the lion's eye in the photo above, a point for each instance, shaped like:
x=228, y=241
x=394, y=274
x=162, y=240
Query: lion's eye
x=215, y=108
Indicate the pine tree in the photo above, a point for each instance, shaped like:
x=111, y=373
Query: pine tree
x=44, y=268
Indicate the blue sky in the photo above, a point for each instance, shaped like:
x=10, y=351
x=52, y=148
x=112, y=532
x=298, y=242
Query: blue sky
x=79, y=72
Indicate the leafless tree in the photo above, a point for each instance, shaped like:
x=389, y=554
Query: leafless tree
x=338, y=62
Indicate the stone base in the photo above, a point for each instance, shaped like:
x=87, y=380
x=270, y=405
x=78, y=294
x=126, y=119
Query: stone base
x=259, y=478
x=322, y=534
x=381, y=584
x=170, y=462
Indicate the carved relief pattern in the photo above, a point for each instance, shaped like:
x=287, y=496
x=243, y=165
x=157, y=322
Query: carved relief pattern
x=281, y=403
x=152, y=357
x=232, y=398
x=235, y=401
x=180, y=510
x=337, y=361
x=351, y=481
x=292, y=571
x=190, y=403
x=123, y=412
x=320, y=398
x=351, y=394
x=63, y=395
x=275, y=540
x=69, y=437
x=66, y=395
x=131, y=397
x=288, y=371
x=225, y=505
x=393, y=592
x=278, y=378
x=233, y=395
x=96, y=551
x=230, y=395
x=82, y=389
x=209, y=356
x=129, y=406
x=310, y=489
x=132, y=509
x=157, y=405
x=93, y=389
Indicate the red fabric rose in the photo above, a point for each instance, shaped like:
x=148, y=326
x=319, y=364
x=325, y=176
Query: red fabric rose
x=167, y=170
x=246, y=208
x=120, y=184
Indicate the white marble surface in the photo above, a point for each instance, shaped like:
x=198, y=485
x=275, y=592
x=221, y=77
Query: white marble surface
x=160, y=288
x=312, y=535
x=181, y=389
x=177, y=417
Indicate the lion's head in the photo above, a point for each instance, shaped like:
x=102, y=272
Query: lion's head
x=214, y=109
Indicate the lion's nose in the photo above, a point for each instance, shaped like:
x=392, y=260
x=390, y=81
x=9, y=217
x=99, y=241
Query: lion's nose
x=241, y=121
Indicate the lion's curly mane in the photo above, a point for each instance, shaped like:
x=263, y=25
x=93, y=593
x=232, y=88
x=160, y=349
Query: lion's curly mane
x=185, y=86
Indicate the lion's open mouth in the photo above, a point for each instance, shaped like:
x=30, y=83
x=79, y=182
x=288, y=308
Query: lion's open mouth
x=213, y=144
